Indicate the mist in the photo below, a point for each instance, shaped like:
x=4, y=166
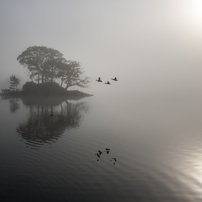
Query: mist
x=149, y=46
x=137, y=139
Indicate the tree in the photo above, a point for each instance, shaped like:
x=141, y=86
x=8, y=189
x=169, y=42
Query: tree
x=70, y=75
x=47, y=65
x=14, y=82
x=37, y=58
x=53, y=69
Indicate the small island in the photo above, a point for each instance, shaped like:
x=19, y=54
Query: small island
x=45, y=90
x=46, y=67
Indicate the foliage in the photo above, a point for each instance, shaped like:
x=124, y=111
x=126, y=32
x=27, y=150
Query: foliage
x=70, y=75
x=43, y=89
x=47, y=65
x=36, y=58
x=14, y=105
x=14, y=82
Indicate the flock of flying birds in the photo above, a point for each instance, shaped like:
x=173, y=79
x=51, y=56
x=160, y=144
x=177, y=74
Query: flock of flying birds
x=107, y=150
x=98, y=154
x=99, y=80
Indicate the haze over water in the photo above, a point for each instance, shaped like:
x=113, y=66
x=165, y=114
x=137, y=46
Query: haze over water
x=150, y=119
x=155, y=139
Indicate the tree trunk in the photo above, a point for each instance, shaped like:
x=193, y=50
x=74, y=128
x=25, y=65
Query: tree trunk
x=42, y=78
x=61, y=82
x=38, y=77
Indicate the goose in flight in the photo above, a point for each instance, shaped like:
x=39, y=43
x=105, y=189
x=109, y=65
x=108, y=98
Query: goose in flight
x=115, y=79
x=107, y=82
x=113, y=159
x=99, y=79
x=107, y=150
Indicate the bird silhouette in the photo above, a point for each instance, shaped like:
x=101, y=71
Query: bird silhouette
x=113, y=159
x=99, y=79
x=107, y=150
x=98, y=155
x=115, y=79
x=107, y=82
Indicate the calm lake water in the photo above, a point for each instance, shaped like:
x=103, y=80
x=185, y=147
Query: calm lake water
x=156, y=139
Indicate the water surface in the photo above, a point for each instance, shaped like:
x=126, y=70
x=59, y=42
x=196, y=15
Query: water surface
x=156, y=139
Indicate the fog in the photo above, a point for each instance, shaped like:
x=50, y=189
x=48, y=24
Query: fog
x=150, y=46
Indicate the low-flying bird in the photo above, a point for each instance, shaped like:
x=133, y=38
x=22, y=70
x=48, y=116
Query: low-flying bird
x=100, y=152
x=99, y=79
x=107, y=82
x=98, y=155
x=107, y=150
x=115, y=79
x=113, y=159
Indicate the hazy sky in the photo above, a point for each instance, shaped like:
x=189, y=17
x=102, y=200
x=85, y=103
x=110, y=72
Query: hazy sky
x=149, y=45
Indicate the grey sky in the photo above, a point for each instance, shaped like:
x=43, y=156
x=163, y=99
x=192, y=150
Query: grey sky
x=149, y=45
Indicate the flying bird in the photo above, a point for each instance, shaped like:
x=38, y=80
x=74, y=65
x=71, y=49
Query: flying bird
x=107, y=150
x=98, y=155
x=107, y=82
x=115, y=79
x=113, y=159
x=99, y=79
x=100, y=152
x=51, y=115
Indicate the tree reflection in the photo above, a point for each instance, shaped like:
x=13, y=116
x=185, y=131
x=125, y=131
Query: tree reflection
x=14, y=105
x=42, y=128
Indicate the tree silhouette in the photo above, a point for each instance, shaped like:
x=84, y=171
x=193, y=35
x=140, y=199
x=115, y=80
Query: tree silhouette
x=14, y=82
x=70, y=75
x=35, y=59
x=46, y=65
x=41, y=128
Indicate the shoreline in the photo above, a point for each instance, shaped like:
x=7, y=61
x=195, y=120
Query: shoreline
x=73, y=94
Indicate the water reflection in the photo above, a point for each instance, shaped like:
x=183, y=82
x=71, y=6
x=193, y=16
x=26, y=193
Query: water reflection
x=41, y=128
x=14, y=105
